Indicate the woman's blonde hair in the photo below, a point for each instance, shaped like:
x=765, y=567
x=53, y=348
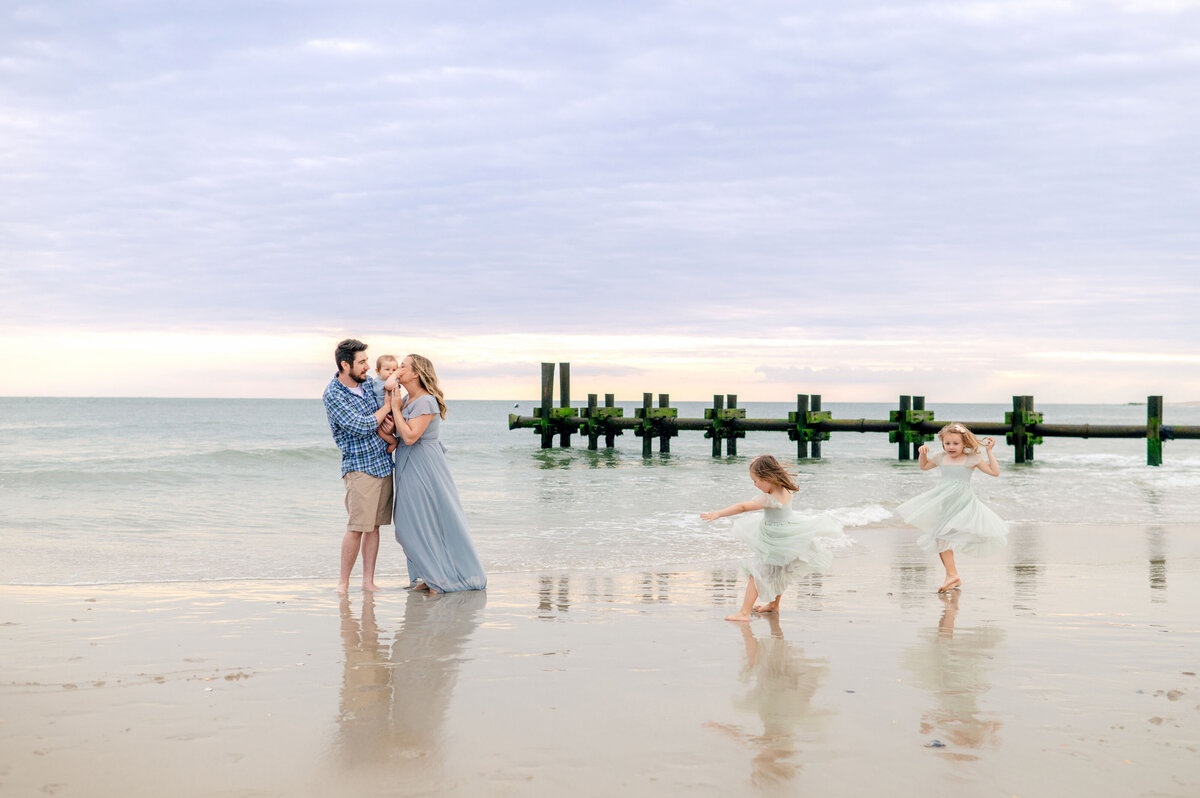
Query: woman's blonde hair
x=970, y=442
x=771, y=471
x=428, y=377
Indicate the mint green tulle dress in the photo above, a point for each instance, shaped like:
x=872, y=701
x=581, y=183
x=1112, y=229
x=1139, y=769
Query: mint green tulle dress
x=950, y=515
x=784, y=545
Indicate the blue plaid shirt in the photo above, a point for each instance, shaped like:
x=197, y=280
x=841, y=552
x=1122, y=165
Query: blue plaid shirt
x=352, y=421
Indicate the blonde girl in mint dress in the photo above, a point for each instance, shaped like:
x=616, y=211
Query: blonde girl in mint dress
x=950, y=516
x=782, y=544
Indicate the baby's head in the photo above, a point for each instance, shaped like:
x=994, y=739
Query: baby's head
x=769, y=474
x=956, y=439
x=386, y=365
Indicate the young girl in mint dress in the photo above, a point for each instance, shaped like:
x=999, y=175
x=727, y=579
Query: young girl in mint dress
x=782, y=544
x=950, y=516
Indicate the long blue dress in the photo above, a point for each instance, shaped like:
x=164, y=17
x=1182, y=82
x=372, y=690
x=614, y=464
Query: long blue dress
x=429, y=518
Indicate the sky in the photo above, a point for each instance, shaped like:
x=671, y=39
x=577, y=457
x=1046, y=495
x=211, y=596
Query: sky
x=963, y=200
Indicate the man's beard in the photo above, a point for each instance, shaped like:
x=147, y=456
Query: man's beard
x=358, y=379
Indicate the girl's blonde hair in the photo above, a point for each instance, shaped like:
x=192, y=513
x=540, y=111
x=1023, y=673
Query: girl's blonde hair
x=970, y=442
x=428, y=377
x=771, y=471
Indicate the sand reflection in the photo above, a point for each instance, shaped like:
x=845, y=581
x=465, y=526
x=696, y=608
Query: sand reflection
x=427, y=653
x=1156, y=543
x=365, y=700
x=779, y=683
x=952, y=665
x=393, y=705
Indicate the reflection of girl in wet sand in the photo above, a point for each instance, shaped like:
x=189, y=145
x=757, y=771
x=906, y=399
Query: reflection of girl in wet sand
x=952, y=665
x=782, y=683
x=782, y=543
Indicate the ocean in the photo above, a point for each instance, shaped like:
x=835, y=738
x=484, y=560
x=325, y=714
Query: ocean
x=97, y=491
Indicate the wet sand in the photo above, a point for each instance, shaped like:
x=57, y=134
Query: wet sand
x=1066, y=666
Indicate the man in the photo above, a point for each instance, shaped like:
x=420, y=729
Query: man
x=362, y=429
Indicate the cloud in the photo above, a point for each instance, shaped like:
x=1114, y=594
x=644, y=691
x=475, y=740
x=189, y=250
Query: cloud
x=341, y=47
x=925, y=172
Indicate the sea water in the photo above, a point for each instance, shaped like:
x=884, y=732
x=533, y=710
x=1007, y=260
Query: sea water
x=160, y=490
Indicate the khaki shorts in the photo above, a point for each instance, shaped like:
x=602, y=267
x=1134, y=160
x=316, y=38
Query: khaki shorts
x=368, y=501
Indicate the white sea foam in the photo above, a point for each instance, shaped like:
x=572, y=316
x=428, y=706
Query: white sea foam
x=862, y=515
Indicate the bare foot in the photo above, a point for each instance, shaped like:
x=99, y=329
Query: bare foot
x=420, y=586
x=343, y=588
x=951, y=583
x=738, y=616
x=771, y=607
x=371, y=588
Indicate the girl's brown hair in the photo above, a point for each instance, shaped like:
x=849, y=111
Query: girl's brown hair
x=771, y=471
x=424, y=369
x=970, y=442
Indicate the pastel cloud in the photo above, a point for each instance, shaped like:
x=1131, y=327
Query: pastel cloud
x=980, y=174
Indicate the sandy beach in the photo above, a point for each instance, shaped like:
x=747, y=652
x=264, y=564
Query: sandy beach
x=1067, y=666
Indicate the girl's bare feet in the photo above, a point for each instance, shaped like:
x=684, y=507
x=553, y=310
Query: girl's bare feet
x=771, y=607
x=343, y=589
x=951, y=583
x=743, y=617
x=371, y=588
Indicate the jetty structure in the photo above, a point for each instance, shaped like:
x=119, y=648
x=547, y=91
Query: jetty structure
x=908, y=426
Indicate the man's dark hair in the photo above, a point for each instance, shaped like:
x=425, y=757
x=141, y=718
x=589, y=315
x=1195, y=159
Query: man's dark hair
x=345, y=352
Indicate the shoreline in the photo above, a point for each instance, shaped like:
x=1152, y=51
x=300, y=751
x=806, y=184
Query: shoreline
x=871, y=535
x=1057, y=669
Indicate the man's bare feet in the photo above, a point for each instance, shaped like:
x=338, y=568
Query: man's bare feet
x=343, y=588
x=740, y=617
x=951, y=583
x=771, y=607
x=371, y=588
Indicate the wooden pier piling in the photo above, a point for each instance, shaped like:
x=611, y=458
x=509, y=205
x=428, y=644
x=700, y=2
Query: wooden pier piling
x=564, y=401
x=800, y=419
x=547, y=404
x=1154, y=429
x=908, y=427
x=815, y=415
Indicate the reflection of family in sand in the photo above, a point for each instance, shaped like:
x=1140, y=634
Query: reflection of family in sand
x=393, y=704
x=952, y=664
x=780, y=683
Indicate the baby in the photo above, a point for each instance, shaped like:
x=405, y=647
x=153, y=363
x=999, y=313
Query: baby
x=385, y=366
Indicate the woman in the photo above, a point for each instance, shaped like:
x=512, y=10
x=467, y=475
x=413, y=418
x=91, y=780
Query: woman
x=429, y=518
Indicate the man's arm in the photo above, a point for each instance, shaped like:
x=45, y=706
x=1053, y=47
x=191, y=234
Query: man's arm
x=342, y=414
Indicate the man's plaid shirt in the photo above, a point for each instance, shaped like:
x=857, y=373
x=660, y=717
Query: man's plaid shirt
x=352, y=421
